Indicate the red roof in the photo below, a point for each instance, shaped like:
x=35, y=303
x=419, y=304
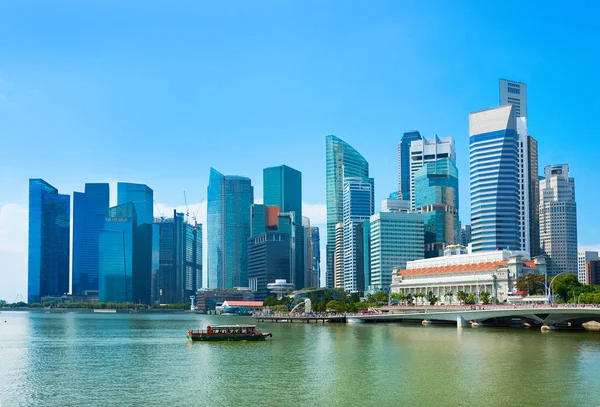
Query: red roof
x=522, y=293
x=244, y=303
x=459, y=268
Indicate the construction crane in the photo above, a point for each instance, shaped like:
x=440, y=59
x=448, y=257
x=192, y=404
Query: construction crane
x=187, y=211
x=162, y=216
x=196, y=213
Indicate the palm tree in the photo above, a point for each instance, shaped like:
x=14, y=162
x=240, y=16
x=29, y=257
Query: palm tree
x=449, y=295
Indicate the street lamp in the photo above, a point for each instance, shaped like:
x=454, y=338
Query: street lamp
x=552, y=281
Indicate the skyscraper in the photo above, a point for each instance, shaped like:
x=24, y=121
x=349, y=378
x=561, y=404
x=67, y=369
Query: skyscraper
x=583, y=258
x=316, y=256
x=425, y=151
x=436, y=197
x=395, y=238
x=116, y=248
x=339, y=256
x=89, y=212
x=307, y=252
x=342, y=161
x=514, y=93
x=228, y=229
x=358, y=207
x=282, y=187
x=404, y=163
x=495, y=176
x=142, y=197
x=268, y=260
x=465, y=235
x=363, y=255
x=558, y=220
x=534, y=197
x=48, y=255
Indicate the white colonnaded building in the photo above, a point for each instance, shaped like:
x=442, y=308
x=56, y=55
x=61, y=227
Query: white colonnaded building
x=493, y=271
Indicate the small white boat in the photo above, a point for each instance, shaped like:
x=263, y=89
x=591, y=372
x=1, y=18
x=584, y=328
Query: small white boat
x=105, y=310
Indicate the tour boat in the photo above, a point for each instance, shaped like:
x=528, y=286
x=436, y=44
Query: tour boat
x=228, y=333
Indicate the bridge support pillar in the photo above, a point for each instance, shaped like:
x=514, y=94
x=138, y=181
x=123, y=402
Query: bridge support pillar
x=461, y=322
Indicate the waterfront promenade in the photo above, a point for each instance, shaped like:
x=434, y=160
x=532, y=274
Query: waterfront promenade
x=302, y=318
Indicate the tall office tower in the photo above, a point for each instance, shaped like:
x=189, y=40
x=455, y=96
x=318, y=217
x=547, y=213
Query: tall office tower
x=436, y=197
x=583, y=258
x=424, y=151
x=395, y=205
x=155, y=272
x=228, y=229
x=282, y=187
x=592, y=272
x=263, y=218
x=316, y=255
x=89, y=212
x=358, y=207
x=404, y=164
x=514, y=93
x=558, y=220
x=395, y=238
x=342, y=161
x=307, y=252
x=268, y=260
x=48, y=255
x=142, y=197
x=180, y=260
x=117, y=254
x=465, y=235
x=363, y=259
x=495, y=174
x=339, y=255
x=534, y=197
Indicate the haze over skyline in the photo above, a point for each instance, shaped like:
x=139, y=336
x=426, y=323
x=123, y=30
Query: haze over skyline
x=141, y=92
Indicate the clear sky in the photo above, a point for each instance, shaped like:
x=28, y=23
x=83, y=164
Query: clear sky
x=158, y=92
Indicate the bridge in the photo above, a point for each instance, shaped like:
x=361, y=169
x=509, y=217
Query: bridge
x=301, y=318
x=546, y=318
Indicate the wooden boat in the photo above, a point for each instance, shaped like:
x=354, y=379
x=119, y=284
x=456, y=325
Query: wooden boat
x=228, y=333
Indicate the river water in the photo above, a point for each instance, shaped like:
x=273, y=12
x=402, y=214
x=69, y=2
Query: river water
x=87, y=359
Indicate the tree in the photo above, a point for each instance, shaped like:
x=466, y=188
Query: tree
x=462, y=296
x=432, y=298
x=334, y=306
x=449, y=295
x=485, y=297
x=270, y=301
x=564, y=285
x=471, y=299
x=532, y=283
x=381, y=297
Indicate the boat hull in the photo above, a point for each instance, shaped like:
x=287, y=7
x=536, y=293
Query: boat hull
x=215, y=338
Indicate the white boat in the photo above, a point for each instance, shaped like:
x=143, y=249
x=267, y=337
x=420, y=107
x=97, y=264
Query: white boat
x=105, y=310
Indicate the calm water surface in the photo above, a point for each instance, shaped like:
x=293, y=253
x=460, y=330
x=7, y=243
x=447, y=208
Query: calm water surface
x=77, y=359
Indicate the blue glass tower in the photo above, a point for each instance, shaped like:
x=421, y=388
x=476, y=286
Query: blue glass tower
x=282, y=187
x=342, y=161
x=495, y=200
x=436, y=197
x=228, y=229
x=316, y=255
x=142, y=197
x=49, y=227
x=358, y=207
x=404, y=163
x=116, y=254
x=89, y=212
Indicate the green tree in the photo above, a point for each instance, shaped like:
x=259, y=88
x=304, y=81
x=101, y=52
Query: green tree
x=471, y=299
x=462, y=296
x=432, y=298
x=485, y=297
x=334, y=306
x=449, y=295
x=532, y=283
x=564, y=285
x=381, y=297
x=270, y=301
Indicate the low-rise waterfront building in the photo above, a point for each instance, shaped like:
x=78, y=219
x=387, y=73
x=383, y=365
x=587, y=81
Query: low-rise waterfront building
x=583, y=258
x=493, y=271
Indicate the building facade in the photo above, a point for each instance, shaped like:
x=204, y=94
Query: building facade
x=436, y=197
x=282, y=187
x=228, y=229
x=363, y=256
x=395, y=238
x=316, y=256
x=404, y=163
x=494, y=272
x=514, y=93
x=116, y=254
x=339, y=256
x=583, y=258
x=342, y=160
x=48, y=241
x=558, y=220
x=308, y=272
x=142, y=197
x=89, y=212
x=358, y=206
x=495, y=186
x=534, y=197
x=268, y=260
x=465, y=235
x=426, y=151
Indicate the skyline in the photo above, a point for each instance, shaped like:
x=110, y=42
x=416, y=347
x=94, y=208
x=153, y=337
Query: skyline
x=116, y=101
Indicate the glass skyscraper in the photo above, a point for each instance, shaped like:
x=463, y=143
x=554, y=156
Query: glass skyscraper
x=342, y=160
x=495, y=175
x=268, y=260
x=142, y=197
x=49, y=228
x=228, y=229
x=436, y=197
x=116, y=254
x=89, y=212
x=404, y=163
x=316, y=256
x=359, y=205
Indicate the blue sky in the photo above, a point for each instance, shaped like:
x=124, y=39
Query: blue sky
x=158, y=92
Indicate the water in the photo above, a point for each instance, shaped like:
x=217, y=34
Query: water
x=76, y=359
